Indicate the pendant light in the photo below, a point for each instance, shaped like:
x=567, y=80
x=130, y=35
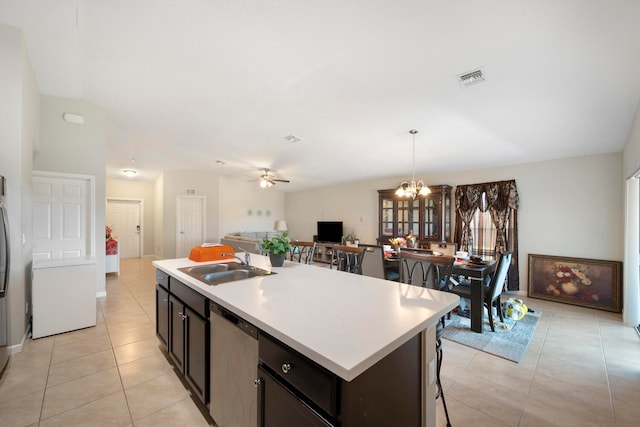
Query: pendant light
x=413, y=188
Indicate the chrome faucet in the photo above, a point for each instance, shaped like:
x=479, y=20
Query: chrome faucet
x=247, y=258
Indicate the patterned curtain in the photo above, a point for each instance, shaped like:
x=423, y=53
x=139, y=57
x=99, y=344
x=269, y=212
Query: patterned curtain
x=468, y=199
x=502, y=204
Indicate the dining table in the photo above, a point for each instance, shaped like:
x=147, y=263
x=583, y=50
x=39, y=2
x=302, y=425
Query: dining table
x=476, y=273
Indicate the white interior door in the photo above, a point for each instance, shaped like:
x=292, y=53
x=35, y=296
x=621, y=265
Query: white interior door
x=125, y=219
x=60, y=226
x=190, y=227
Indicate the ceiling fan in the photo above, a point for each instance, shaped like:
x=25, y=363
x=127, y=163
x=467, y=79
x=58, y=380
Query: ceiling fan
x=267, y=179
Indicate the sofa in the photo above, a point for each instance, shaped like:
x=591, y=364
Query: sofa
x=247, y=241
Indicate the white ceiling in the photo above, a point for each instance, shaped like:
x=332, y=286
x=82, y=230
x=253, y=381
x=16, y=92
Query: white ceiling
x=188, y=82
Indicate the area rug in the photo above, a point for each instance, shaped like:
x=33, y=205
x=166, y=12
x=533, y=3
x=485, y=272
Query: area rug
x=509, y=341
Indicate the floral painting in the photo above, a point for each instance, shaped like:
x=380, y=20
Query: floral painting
x=587, y=282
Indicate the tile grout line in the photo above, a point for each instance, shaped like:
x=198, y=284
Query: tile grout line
x=606, y=371
x=535, y=369
x=124, y=392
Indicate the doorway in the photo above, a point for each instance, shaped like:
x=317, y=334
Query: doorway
x=125, y=217
x=190, y=224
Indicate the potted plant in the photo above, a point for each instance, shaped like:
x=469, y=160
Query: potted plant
x=277, y=247
x=350, y=239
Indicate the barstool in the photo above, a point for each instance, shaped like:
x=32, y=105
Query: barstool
x=433, y=272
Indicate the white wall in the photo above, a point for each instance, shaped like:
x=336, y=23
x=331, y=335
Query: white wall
x=158, y=218
x=145, y=191
x=19, y=132
x=174, y=184
x=569, y=207
x=76, y=149
x=238, y=196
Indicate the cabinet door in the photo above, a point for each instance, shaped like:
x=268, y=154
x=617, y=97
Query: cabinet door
x=280, y=407
x=176, y=331
x=196, y=366
x=162, y=315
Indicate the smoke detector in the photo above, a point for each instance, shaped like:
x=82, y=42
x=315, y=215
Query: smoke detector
x=471, y=78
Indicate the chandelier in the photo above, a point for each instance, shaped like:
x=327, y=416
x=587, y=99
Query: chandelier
x=413, y=188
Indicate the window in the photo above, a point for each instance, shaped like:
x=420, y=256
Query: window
x=483, y=232
x=486, y=222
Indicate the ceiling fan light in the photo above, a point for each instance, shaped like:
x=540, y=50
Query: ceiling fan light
x=263, y=183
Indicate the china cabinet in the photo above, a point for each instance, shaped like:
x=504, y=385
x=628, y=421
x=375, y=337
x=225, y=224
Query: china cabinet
x=429, y=217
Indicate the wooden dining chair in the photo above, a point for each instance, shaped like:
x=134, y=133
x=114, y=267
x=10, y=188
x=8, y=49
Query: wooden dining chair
x=302, y=251
x=347, y=258
x=445, y=248
x=493, y=290
x=429, y=271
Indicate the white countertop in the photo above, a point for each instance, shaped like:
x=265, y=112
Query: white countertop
x=344, y=322
x=63, y=262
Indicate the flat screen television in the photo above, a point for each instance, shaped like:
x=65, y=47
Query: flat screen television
x=330, y=231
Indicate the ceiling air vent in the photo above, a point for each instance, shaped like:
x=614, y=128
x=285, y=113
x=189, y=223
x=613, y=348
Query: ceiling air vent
x=471, y=78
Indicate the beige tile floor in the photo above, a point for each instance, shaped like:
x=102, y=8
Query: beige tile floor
x=581, y=369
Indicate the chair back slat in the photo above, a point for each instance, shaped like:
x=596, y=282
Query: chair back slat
x=302, y=251
x=425, y=270
x=347, y=258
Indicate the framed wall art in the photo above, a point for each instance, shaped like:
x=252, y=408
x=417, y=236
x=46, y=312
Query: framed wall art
x=578, y=281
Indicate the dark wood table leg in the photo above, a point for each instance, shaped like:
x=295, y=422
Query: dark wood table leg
x=477, y=305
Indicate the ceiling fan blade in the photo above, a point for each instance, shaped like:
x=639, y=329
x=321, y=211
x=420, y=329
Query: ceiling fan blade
x=281, y=180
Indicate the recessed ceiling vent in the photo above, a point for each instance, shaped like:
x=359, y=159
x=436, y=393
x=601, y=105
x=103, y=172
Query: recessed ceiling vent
x=292, y=138
x=471, y=78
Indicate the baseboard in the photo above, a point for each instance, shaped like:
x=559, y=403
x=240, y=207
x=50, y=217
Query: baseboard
x=17, y=348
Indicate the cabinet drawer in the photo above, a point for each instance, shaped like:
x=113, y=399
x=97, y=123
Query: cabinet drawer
x=193, y=299
x=307, y=377
x=162, y=278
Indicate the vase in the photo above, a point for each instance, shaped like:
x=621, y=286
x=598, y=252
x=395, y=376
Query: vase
x=276, y=260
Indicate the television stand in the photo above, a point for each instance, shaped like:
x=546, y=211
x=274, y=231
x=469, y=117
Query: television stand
x=323, y=252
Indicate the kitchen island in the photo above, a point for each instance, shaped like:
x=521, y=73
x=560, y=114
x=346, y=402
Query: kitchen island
x=364, y=331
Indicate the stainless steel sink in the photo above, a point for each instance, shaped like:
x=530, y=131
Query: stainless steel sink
x=214, y=274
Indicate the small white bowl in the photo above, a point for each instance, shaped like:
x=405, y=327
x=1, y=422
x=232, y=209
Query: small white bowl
x=462, y=254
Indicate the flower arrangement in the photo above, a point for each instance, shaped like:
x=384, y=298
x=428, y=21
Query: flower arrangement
x=108, y=232
x=398, y=241
x=572, y=281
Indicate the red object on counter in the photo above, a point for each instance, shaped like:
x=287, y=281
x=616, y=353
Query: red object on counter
x=112, y=246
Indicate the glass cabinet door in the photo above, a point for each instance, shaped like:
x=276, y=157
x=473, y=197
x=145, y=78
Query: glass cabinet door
x=386, y=217
x=408, y=216
x=431, y=218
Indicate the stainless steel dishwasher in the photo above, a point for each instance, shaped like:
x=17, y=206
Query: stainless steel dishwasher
x=233, y=369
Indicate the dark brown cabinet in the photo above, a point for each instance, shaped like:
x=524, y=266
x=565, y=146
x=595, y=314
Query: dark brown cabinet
x=279, y=406
x=429, y=217
x=162, y=315
x=294, y=390
x=182, y=326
